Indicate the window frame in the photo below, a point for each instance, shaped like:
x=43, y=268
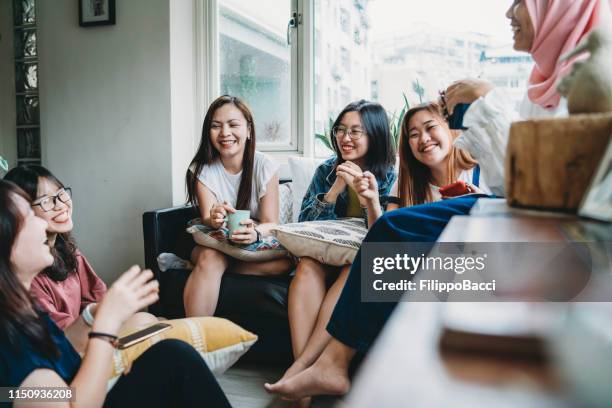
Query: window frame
x=302, y=74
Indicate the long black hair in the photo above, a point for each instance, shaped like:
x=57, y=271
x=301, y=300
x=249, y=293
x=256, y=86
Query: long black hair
x=207, y=154
x=381, y=153
x=17, y=316
x=27, y=177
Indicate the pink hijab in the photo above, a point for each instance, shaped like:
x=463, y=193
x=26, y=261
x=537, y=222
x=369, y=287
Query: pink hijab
x=558, y=25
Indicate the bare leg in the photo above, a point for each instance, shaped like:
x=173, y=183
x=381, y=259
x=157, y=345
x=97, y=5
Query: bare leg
x=320, y=337
x=306, y=295
x=327, y=376
x=202, y=289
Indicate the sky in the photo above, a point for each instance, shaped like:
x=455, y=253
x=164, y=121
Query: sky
x=485, y=16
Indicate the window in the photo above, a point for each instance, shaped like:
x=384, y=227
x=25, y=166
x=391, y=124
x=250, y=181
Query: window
x=345, y=59
x=345, y=22
x=406, y=46
x=345, y=50
x=26, y=82
x=255, y=63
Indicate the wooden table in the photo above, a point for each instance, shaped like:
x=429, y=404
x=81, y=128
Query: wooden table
x=406, y=366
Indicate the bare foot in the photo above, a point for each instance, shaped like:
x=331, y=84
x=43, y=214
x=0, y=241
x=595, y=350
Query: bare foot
x=295, y=368
x=319, y=379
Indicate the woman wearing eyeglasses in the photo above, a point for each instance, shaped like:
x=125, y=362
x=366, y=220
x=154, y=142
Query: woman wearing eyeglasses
x=362, y=142
x=68, y=290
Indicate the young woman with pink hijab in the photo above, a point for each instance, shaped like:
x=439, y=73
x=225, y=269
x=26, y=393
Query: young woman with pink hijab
x=544, y=28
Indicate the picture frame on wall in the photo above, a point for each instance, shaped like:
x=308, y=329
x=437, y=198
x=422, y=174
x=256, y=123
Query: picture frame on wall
x=96, y=12
x=597, y=201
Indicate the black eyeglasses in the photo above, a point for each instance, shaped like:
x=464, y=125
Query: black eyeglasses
x=48, y=203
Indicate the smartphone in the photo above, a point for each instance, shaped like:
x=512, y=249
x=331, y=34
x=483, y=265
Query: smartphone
x=458, y=188
x=141, y=335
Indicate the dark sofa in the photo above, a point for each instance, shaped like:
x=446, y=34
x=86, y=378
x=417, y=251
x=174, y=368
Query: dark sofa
x=258, y=304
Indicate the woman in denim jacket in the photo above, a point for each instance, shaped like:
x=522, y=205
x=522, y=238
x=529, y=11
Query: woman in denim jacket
x=362, y=141
x=314, y=207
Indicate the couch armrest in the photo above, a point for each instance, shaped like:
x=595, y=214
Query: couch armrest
x=164, y=231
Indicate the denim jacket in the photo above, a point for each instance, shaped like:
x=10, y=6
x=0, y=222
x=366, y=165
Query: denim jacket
x=315, y=208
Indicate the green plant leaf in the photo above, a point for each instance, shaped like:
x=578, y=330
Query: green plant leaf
x=325, y=140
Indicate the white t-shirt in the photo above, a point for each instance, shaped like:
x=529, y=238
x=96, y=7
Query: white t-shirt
x=225, y=185
x=466, y=175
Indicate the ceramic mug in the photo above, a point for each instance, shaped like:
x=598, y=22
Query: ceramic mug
x=234, y=219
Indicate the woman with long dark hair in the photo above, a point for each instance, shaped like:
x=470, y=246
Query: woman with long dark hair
x=68, y=290
x=225, y=175
x=35, y=353
x=362, y=142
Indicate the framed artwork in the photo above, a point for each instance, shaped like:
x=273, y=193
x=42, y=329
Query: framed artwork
x=597, y=201
x=96, y=12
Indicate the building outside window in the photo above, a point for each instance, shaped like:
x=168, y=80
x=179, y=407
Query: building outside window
x=255, y=64
x=361, y=49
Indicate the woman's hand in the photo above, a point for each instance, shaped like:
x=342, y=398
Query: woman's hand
x=366, y=186
x=245, y=235
x=339, y=184
x=348, y=171
x=472, y=190
x=134, y=290
x=218, y=213
x=336, y=189
x=465, y=91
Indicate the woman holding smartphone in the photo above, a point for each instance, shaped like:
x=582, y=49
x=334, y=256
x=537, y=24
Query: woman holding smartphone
x=68, y=290
x=428, y=162
x=35, y=353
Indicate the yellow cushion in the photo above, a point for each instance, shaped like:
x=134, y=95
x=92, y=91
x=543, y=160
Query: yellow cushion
x=219, y=341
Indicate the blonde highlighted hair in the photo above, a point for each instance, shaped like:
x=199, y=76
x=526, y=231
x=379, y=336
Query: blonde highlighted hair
x=414, y=176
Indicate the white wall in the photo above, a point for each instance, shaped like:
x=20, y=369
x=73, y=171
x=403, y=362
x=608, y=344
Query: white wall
x=106, y=122
x=186, y=124
x=8, y=138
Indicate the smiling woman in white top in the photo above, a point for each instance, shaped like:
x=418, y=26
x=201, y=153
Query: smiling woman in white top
x=225, y=175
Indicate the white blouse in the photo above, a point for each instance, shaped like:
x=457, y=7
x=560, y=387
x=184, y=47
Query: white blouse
x=488, y=121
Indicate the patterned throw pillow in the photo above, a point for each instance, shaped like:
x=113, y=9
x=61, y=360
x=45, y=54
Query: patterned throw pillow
x=285, y=203
x=219, y=341
x=267, y=249
x=333, y=242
